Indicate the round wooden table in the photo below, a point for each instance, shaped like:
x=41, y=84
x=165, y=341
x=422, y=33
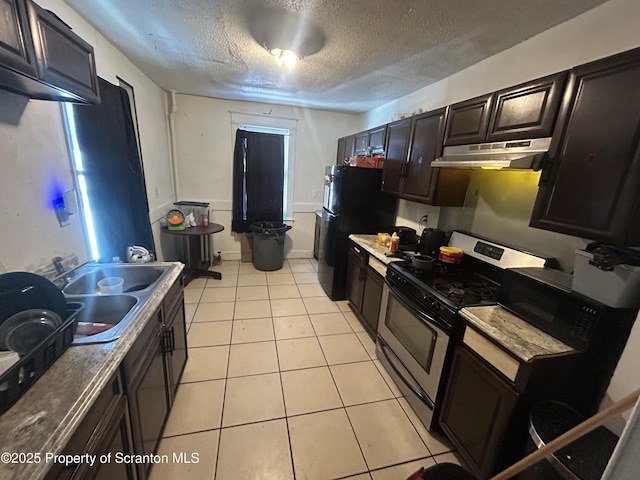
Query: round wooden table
x=194, y=269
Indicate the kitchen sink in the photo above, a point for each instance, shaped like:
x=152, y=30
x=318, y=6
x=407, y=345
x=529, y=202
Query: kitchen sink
x=106, y=315
x=103, y=317
x=136, y=278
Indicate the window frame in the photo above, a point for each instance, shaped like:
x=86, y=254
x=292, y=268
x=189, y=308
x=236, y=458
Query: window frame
x=277, y=125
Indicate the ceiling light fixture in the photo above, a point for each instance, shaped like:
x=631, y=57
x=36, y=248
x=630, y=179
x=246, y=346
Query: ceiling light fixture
x=284, y=57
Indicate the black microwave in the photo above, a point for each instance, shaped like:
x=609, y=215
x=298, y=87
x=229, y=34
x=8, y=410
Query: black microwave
x=543, y=298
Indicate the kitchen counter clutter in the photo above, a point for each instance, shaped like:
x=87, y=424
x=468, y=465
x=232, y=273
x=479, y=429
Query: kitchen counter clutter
x=368, y=242
x=517, y=336
x=54, y=411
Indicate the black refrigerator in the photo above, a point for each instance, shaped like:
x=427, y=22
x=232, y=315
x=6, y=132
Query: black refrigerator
x=352, y=203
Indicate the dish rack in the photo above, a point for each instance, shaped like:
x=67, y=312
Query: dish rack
x=23, y=374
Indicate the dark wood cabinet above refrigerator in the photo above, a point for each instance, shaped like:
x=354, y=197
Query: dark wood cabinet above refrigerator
x=42, y=58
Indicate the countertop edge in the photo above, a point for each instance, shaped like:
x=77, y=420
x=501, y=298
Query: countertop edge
x=114, y=353
x=368, y=242
x=549, y=347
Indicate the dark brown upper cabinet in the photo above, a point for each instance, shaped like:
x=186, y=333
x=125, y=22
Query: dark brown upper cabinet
x=526, y=111
x=370, y=141
x=377, y=139
x=397, y=148
x=467, y=121
x=41, y=58
x=16, y=46
x=412, y=145
x=345, y=149
x=341, y=153
x=361, y=143
x=589, y=188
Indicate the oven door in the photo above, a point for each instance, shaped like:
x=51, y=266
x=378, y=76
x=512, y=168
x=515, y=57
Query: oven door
x=412, y=348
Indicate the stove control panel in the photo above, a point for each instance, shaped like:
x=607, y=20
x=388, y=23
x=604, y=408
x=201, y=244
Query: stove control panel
x=488, y=250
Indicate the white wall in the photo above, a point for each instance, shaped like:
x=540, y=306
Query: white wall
x=610, y=28
x=34, y=157
x=494, y=207
x=36, y=170
x=205, y=142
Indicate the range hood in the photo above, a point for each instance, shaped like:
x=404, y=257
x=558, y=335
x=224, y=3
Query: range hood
x=515, y=154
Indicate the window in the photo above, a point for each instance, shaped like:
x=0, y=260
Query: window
x=278, y=126
x=287, y=212
x=106, y=163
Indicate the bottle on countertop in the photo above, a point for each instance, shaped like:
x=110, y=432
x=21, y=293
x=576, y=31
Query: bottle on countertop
x=395, y=240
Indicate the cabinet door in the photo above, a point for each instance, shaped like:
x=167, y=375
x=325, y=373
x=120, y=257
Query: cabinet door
x=105, y=429
x=377, y=139
x=176, y=346
x=63, y=59
x=148, y=402
x=426, y=145
x=361, y=143
x=528, y=110
x=371, y=296
x=340, y=155
x=16, y=47
x=349, y=146
x=476, y=427
x=117, y=439
x=396, y=155
x=353, y=287
x=467, y=121
x=592, y=190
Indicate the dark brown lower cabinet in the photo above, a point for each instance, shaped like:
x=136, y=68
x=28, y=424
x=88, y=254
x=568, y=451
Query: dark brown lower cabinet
x=105, y=430
x=364, y=287
x=175, y=342
x=130, y=413
x=153, y=368
x=477, y=409
x=148, y=399
x=371, y=296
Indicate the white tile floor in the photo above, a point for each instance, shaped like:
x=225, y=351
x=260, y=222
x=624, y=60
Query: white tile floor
x=283, y=383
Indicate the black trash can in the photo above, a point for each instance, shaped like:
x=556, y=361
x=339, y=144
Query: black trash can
x=585, y=458
x=446, y=471
x=268, y=245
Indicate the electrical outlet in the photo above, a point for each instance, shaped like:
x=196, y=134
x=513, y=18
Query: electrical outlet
x=315, y=194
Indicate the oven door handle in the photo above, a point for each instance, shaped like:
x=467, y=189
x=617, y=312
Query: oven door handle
x=423, y=396
x=415, y=309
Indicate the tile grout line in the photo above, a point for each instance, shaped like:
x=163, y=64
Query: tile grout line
x=284, y=403
x=342, y=401
x=224, y=392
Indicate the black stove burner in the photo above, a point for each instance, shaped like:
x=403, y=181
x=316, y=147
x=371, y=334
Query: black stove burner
x=468, y=292
x=456, y=285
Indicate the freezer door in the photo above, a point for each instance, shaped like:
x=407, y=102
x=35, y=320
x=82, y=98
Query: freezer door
x=333, y=176
x=329, y=255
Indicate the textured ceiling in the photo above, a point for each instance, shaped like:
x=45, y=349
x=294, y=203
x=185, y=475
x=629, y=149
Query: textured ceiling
x=359, y=54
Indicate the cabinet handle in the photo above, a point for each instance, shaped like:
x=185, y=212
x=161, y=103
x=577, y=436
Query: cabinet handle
x=355, y=249
x=172, y=340
x=166, y=342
